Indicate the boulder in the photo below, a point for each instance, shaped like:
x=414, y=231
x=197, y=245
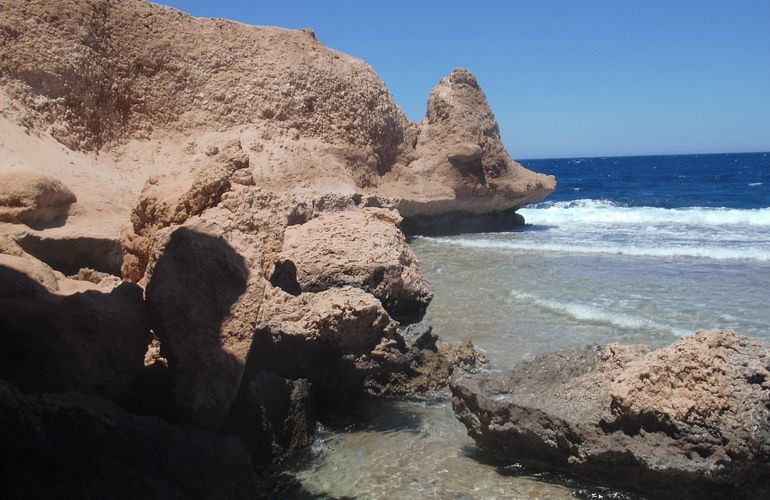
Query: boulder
x=345, y=318
x=169, y=200
x=76, y=446
x=692, y=418
x=362, y=248
x=203, y=301
x=33, y=199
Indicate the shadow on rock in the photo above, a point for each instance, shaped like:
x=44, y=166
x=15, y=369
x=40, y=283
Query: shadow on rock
x=89, y=342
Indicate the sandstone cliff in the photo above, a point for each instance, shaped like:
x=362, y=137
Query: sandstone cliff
x=103, y=94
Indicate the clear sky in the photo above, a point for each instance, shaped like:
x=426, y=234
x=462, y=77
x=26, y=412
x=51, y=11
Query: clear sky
x=564, y=77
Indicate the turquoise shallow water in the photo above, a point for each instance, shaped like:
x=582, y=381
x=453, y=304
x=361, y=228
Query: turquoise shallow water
x=587, y=270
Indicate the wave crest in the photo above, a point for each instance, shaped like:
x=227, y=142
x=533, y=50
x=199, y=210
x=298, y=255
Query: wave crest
x=588, y=211
x=593, y=314
x=704, y=252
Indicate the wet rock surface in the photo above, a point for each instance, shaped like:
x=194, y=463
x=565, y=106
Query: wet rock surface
x=690, y=418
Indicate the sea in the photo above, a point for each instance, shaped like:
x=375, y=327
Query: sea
x=637, y=249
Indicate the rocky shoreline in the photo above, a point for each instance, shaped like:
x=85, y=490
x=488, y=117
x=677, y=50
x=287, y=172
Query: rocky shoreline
x=203, y=255
x=191, y=281
x=689, y=420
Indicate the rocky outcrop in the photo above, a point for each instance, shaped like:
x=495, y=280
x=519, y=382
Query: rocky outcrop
x=421, y=365
x=75, y=446
x=83, y=78
x=167, y=200
x=691, y=417
x=33, y=199
x=459, y=164
x=362, y=248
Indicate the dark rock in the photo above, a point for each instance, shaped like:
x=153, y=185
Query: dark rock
x=273, y=416
x=462, y=222
x=89, y=342
x=191, y=296
x=76, y=446
x=419, y=335
x=689, y=419
x=70, y=254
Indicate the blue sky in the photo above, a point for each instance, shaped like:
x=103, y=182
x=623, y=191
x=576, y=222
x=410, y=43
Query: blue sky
x=564, y=77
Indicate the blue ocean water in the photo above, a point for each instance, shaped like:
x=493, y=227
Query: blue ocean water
x=707, y=180
x=640, y=249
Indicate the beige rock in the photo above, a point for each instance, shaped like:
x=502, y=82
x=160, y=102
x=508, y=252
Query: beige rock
x=459, y=162
x=32, y=268
x=345, y=317
x=86, y=99
x=713, y=384
x=32, y=198
x=168, y=200
x=692, y=417
x=363, y=248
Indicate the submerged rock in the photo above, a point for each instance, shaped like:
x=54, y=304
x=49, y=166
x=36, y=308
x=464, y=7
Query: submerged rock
x=693, y=417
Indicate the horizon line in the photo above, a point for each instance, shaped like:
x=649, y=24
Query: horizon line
x=638, y=155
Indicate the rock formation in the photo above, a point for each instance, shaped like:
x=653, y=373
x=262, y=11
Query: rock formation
x=691, y=417
x=362, y=248
x=33, y=199
x=235, y=191
x=62, y=334
x=156, y=92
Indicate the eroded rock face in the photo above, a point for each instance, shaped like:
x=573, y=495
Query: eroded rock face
x=459, y=163
x=692, y=417
x=167, y=200
x=362, y=248
x=75, y=446
x=33, y=199
x=84, y=79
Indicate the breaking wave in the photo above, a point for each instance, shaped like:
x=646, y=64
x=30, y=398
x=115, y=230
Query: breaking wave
x=593, y=314
x=589, y=211
x=704, y=252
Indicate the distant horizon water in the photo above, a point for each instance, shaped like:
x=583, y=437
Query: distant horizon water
x=638, y=155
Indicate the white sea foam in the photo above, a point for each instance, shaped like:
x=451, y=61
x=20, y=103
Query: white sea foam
x=705, y=252
x=593, y=314
x=594, y=212
x=755, y=184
